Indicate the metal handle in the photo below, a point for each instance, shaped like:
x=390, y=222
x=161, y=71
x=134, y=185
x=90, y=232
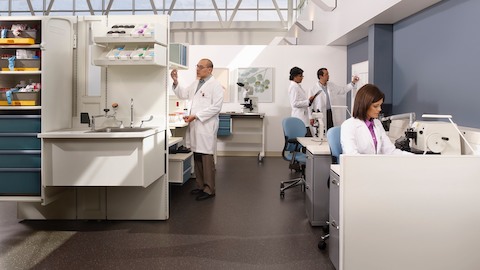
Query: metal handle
x=334, y=224
x=335, y=182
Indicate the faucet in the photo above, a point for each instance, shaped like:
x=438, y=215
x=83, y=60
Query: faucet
x=147, y=120
x=131, y=112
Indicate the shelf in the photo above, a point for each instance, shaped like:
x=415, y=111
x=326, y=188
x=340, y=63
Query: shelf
x=18, y=46
x=20, y=199
x=20, y=107
x=21, y=72
x=158, y=59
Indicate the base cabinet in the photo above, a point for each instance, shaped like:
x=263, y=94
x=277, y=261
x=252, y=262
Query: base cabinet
x=334, y=219
x=316, y=176
x=179, y=167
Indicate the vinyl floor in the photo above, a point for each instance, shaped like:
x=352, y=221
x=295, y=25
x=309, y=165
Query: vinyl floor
x=246, y=226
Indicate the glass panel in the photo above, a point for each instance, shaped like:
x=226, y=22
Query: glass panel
x=266, y=15
x=182, y=16
x=60, y=13
x=82, y=5
x=244, y=15
x=248, y=4
x=220, y=4
x=265, y=4
x=145, y=4
x=66, y=5
x=282, y=4
x=20, y=5
x=203, y=16
x=185, y=4
x=4, y=7
x=204, y=4
x=122, y=5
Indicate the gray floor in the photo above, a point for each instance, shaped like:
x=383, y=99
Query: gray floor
x=246, y=226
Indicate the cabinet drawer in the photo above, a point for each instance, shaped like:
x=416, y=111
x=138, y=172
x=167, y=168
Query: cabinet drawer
x=19, y=141
x=20, y=182
x=179, y=167
x=20, y=123
x=20, y=159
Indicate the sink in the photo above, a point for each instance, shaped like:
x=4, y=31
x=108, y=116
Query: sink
x=117, y=129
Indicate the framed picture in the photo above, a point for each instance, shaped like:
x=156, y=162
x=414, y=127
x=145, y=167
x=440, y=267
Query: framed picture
x=222, y=74
x=257, y=82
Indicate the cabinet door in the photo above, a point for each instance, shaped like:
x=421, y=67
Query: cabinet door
x=57, y=72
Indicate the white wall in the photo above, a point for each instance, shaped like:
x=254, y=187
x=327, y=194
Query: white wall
x=282, y=58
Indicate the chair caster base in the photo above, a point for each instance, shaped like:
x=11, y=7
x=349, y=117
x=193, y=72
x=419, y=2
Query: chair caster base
x=322, y=245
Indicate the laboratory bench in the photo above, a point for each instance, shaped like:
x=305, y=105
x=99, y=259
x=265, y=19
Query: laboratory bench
x=239, y=131
x=317, y=171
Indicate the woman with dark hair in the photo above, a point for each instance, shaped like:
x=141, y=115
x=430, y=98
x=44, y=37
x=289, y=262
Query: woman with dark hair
x=299, y=99
x=364, y=133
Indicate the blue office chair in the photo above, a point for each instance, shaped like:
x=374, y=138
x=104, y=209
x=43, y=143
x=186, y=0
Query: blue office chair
x=334, y=142
x=333, y=138
x=292, y=152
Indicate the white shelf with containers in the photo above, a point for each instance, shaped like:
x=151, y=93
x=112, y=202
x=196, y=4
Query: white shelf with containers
x=132, y=44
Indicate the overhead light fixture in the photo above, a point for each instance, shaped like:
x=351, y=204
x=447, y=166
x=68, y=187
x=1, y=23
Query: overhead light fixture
x=306, y=26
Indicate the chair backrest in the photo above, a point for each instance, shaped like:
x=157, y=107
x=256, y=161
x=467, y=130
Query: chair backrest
x=293, y=127
x=333, y=138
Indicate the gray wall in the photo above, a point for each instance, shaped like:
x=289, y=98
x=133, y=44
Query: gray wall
x=436, y=62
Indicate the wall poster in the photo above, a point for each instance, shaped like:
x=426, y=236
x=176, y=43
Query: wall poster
x=258, y=81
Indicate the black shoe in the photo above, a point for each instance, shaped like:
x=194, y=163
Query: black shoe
x=196, y=191
x=203, y=196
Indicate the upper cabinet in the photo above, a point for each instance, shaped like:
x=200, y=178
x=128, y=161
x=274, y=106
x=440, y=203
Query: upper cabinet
x=123, y=42
x=178, y=56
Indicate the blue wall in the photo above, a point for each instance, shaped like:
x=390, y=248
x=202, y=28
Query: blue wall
x=436, y=61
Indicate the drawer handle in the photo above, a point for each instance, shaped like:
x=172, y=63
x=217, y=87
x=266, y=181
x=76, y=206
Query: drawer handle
x=334, y=224
x=336, y=182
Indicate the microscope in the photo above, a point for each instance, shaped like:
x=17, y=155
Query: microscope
x=250, y=104
x=319, y=126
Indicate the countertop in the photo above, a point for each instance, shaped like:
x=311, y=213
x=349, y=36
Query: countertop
x=242, y=114
x=87, y=134
x=315, y=146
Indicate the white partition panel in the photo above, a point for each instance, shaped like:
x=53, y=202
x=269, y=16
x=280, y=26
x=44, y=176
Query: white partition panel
x=410, y=212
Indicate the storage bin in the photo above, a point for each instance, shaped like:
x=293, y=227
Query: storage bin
x=21, y=99
x=19, y=141
x=20, y=159
x=20, y=123
x=20, y=182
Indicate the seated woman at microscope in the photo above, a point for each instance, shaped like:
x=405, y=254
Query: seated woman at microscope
x=364, y=133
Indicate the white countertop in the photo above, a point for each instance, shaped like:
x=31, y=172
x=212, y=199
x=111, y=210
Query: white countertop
x=87, y=134
x=315, y=146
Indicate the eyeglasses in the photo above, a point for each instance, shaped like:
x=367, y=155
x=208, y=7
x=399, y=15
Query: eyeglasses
x=201, y=67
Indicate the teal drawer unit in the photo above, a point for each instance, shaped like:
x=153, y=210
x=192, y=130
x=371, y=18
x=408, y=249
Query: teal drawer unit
x=20, y=124
x=20, y=159
x=20, y=181
x=224, y=125
x=19, y=141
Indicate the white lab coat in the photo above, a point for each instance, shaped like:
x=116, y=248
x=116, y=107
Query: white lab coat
x=320, y=102
x=356, y=139
x=299, y=102
x=206, y=103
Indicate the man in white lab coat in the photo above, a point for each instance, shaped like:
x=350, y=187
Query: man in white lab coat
x=206, y=100
x=324, y=91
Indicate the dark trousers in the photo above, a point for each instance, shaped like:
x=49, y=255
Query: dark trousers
x=205, y=172
x=329, y=119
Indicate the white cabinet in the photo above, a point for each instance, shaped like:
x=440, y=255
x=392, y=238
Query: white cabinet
x=37, y=64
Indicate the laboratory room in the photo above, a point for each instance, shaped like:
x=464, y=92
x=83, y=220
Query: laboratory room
x=239, y=134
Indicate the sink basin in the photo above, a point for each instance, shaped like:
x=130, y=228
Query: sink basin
x=117, y=129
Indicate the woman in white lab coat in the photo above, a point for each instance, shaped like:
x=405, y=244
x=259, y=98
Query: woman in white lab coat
x=364, y=133
x=299, y=100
